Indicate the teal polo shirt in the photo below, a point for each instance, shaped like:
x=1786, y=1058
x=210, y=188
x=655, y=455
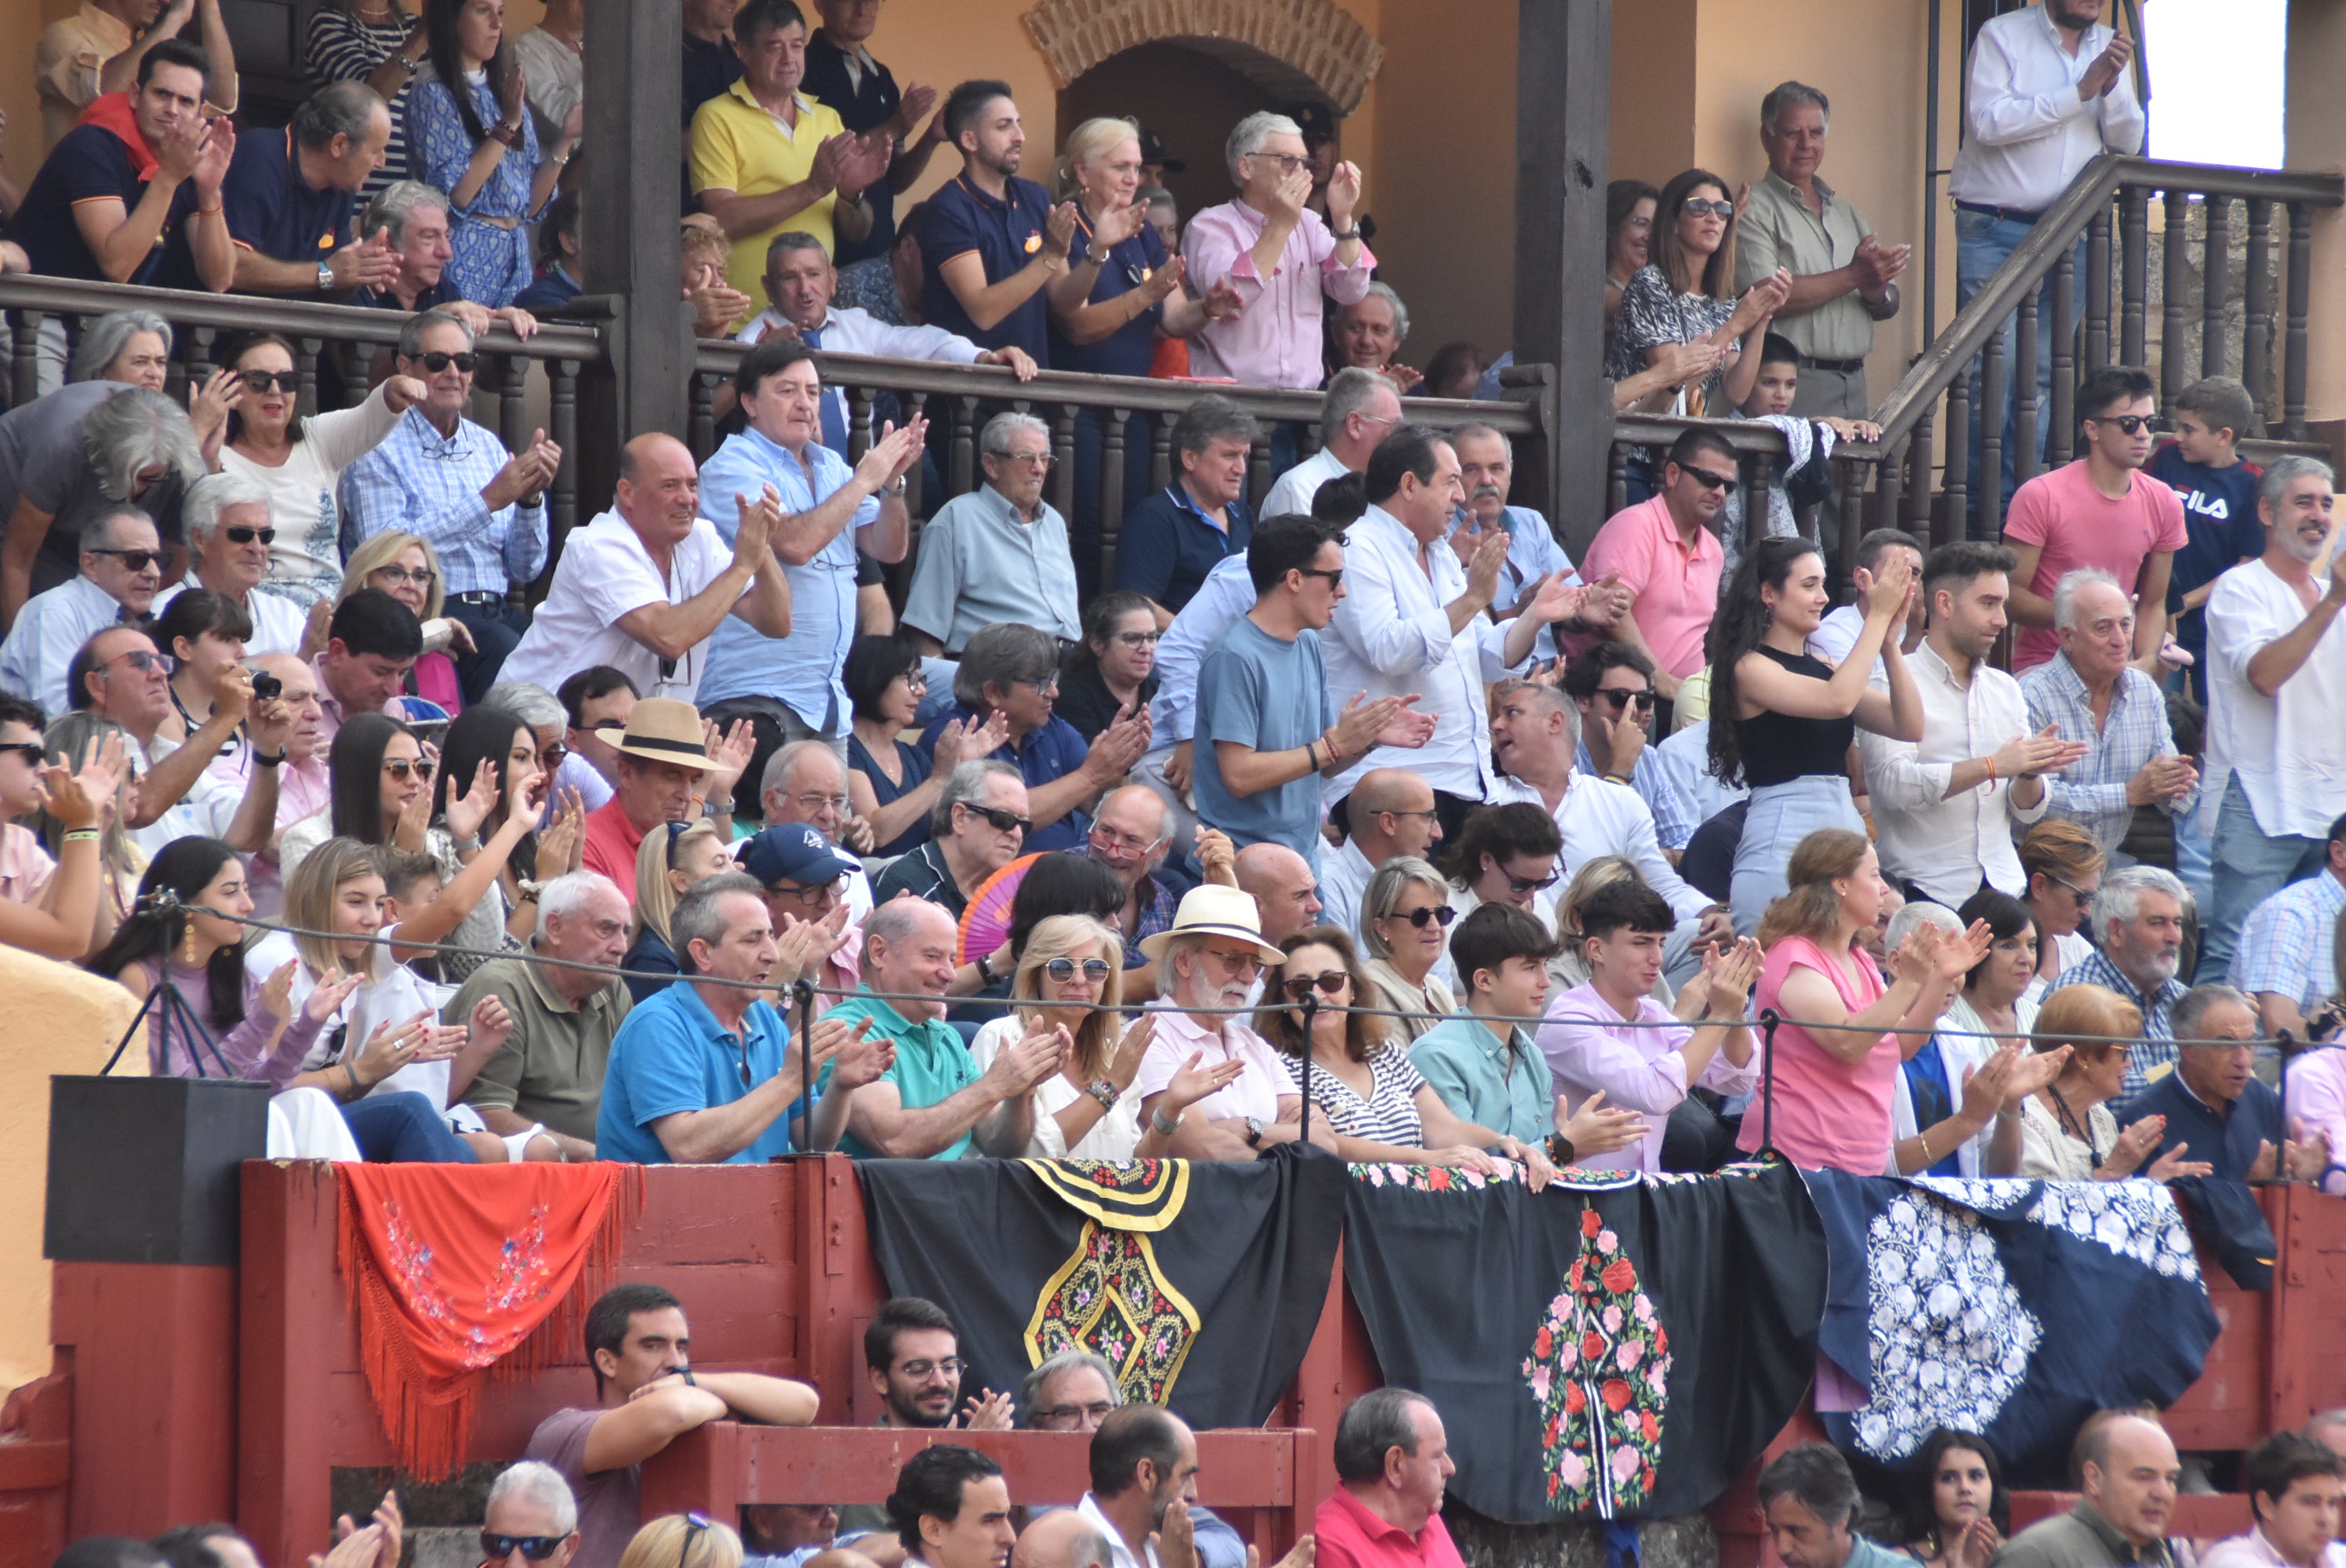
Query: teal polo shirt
x=932, y=1065
x=1501, y=1084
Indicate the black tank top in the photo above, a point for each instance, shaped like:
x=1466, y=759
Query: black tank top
x=1778, y=747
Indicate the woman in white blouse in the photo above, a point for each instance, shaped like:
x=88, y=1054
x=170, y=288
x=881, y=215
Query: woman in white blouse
x=1071, y=977
x=2066, y=1131
x=300, y=462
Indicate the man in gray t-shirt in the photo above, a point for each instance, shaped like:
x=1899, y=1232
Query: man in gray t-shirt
x=1268, y=728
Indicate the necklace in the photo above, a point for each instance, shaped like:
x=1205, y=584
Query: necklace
x=2069, y=1125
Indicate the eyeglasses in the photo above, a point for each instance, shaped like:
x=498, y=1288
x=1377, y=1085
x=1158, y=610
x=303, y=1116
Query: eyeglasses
x=998, y=818
x=1621, y=698
x=1246, y=962
x=2083, y=895
x=1706, y=478
x=247, y=535
x=140, y=659
x=1522, y=885
x=269, y=380
x=1109, y=839
x=1070, y=1415
x=809, y=896
x=1440, y=914
x=2131, y=424
x=1064, y=970
x=136, y=560
x=811, y=803
x=436, y=362
x=921, y=1372
x=32, y=751
x=1335, y=578
x=1288, y=162
x=695, y=1525
x=1138, y=639
x=1695, y=206
x=402, y=576
x=1027, y=459
x=536, y=1548
x=1332, y=983
x=914, y=679
x=399, y=768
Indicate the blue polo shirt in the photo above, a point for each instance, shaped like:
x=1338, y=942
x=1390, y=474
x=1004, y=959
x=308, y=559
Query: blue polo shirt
x=960, y=218
x=89, y=163
x=1168, y=546
x=1131, y=349
x=1050, y=754
x=672, y=1055
x=2226, y=1139
x=553, y=289
x=441, y=293
x=271, y=209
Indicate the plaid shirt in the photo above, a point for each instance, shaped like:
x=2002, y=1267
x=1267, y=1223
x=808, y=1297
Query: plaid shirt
x=432, y=486
x=1158, y=903
x=2157, y=1047
x=2092, y=790
x=1672, y=823
x=2286, y=944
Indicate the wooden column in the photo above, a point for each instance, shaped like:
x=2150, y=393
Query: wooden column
x=634, y=153
x=1564, y=68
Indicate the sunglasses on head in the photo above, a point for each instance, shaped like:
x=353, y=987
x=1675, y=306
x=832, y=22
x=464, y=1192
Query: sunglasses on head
x=1000, y=818
x=237, y=536
x=1330, y=983
x=1440, y=914
x=1064, y=970
x=269, y=380
x=1705, y=477
x=2131, y=424
x=401, y=767
x=536, y=1548
x=436, y=362
x=136, y=560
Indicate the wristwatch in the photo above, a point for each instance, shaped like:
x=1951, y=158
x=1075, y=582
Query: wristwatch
x=985, y=969
x=325, y=277
x=1254, y=1132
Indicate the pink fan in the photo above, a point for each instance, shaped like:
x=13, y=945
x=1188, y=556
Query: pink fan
x=985, y=923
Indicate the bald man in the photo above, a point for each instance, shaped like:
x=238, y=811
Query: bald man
x=644, y=586
x=2127, y=1475
x=1286, y=895
x=1390, y=812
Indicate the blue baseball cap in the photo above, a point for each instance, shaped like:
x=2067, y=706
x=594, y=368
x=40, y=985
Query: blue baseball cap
x=795, y=851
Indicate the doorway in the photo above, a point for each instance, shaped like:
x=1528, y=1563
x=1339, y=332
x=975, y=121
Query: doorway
x=1191, y=98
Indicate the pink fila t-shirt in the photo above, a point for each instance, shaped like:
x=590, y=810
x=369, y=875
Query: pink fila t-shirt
x=2074, y=525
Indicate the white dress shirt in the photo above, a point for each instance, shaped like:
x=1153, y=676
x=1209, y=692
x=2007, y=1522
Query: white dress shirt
x=49, y=630
x=1392, y=636
x=1293, y=490
x=2026, y=131
x=277, y=623
x=1598, y=817
x=848, y=330
x=1343, y=883
x=1121, y=1556
x=2290, y=748
x=1944, y=846
x=1226, y=594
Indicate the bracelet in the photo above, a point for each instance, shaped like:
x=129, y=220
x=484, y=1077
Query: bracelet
x=208, y=211
x=262, y=759
x=1341, y=235
x=81, y=835
x=1157, y=1120
x=1106, y=1092
x=506, y=135
x=1991, y=772
x=1100, y=260
x=353, y=1072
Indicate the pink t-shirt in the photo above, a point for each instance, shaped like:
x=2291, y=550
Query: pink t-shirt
x=1677, y=588
x=2076, y=526
x=1830, y=1113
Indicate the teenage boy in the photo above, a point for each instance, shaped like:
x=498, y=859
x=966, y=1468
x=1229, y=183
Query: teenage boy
x=1482, y=1064
x=1610, y=1034
x=2203, y=466
x=1807, y=478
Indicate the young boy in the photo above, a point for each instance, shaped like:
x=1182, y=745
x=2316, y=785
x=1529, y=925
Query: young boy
x=411, y=884
x=1807, y=478
x=1502, y=954
x=2219, y=505
x=1592, y=1044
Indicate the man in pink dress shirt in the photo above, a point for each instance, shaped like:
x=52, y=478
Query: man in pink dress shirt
x=2294, y=1490
x=1665, y=553
x=1280, y=257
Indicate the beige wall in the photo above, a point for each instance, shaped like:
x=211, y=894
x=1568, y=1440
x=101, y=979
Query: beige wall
x=2316, y=134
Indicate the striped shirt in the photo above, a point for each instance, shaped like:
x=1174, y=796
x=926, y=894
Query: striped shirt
x=430, y=485
x=338, y=47
x=1389, y=1116
x=2286, y=946
x=2157, y=1047
x=2092, y=790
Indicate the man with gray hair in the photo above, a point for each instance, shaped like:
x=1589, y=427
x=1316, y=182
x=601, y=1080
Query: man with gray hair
x=230, y=531
x=704, y=1072
x=1842, y=275
x=412, y=218
x=1280, y=258
x=529, y=1501
x=2276, y=689
x=2138, y=917
x=2214, y=1104
x=121, y=568
x=549, y=1071
x=1072, y=1391
x=1809, y=1500
x=998, y=553
x=1355, y=411
x=1393, y=1464
x=2091, y=691
x=82, y=450
x=1368, y=332
x=806, y=782
x=978, y=826
x=1172, y=540
x=1486, y=470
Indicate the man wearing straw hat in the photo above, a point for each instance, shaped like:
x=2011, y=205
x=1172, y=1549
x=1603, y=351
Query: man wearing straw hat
x=666, y=775
x=1207, y=964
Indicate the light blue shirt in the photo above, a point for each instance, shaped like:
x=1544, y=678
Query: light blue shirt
x=981, y=565
x=49, y=630
x=1226, y=594
x=430, y=485
x=1503, y=1085
x=1268, y=694
x=802, y=669
x=1531, y=553
x=670, y=1055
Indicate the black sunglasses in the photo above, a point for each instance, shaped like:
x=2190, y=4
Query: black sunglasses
x=1706, y=478
x=401, y=767
x=436, y=362
x=136, y=560
x=269, y=380
x=1335, y=578
x=1000, y=818
x=1697, y=206
x=247, y=535
x=1064, y=968
x=536, y=1548
x=32, y=751
x=2131, y=424
x=1522, y=885
x=1330, y=983
x=1621, y=699
x=1440, y=914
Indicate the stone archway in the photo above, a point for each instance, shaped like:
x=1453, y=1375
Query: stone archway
x=1292, y=49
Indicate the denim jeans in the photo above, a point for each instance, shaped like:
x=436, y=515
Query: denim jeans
x=401, y=1128
x=2251, y=865
x=1778, y=818
x=497, y=630
x=1982, y=242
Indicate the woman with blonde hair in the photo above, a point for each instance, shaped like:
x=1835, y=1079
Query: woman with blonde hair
x=667, y=863
x=1405, y=917
x=1569, y=967
x=2066, y=1130
x=683, y=1541
x=407, y=567
x=2064, y=864
x=1070, y=978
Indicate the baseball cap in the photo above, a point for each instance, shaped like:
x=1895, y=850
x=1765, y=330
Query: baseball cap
x=795, y=851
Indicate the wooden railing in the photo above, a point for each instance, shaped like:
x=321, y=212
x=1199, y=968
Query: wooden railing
x=2102, y=317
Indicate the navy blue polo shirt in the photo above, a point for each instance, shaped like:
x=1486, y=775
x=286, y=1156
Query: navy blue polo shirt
x=552, y=290
x=1167, y=545
x=864, y=102
x=1131, y=349
x=271, y=210
x=1006, y=235
x=1048, y=755
x=443, y=292
x=2226, y=1140
x=89, y=163
x=708, y=69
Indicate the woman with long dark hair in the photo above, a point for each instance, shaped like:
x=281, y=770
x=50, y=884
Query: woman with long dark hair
x=1957, y=1511
x=1941, y=1104
x=1781, y=720
x=1684, y=294
x=487, y=800
x=1629, y=206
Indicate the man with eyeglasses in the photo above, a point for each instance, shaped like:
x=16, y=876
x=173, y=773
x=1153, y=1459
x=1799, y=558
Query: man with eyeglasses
x=1612, y=685
x=1487, y=471
x=1390, y=812
x=1131, y=835
x=999, y=554
x=2103, y=511
x=807, y=882
x=443, y=477
x=121, y=568
x=1666, y=552
x=1172, y=540
x=805, y=783
x=227, y=519
x=530, y=1519
x=1355, y=411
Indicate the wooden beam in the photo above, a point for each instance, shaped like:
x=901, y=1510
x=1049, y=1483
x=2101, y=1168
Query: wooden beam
x=1564, y=68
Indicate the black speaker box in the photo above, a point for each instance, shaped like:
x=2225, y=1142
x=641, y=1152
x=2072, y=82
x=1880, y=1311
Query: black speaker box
x=144, y=1170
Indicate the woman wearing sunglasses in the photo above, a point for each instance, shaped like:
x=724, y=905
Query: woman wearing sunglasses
x=300, y=461
x=667, y=864
x=2065, y=865
x=488, y=796
x=1070, y=977
x=407, y=567
x=1405, y=918
x=1381, y=1108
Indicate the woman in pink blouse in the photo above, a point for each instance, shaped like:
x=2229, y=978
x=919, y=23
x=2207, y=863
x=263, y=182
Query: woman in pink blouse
x=1831, y=1088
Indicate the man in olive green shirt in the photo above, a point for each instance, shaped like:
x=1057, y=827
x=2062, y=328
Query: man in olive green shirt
x=1842, y=275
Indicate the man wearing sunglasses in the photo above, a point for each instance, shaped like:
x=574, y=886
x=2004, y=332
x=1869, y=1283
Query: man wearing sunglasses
x=227, y=519
x=1666, y=552
x=1612, y=685
x=530, y=1519
x=2100, y=511
x=121, y=568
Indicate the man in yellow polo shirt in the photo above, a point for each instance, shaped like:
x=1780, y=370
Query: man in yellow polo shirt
x=767, y=158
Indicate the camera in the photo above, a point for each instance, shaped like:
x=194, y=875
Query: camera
x=266, y=688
